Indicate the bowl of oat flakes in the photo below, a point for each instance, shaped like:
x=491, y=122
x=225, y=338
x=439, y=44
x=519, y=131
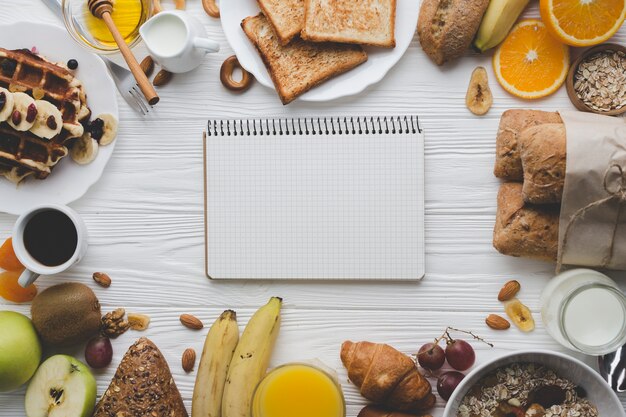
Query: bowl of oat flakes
x=534, y=384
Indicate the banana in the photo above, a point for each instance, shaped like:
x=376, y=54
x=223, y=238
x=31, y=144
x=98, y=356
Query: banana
x=84, y=150
x=497, y=22
x=106, y=125
x=6, y=104
x=49, y=120
x=217, y=354
x=24, y=112
x=479, y=98
x=251, y=359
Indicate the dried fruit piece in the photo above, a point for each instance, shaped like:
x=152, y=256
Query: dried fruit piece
x=16, y=117
x=51, y=122
x=8, y=260
x=497, y=322
x=162, y=78
x=138, y=321
x=509, y=290
x=479, y=98
x=31, y=113
x=147, y=65
x=520, y=315
x=38, y=93
x=12, y=291
x=191, y=322
x=535, y=410
x=189, y=359
x=102, y=279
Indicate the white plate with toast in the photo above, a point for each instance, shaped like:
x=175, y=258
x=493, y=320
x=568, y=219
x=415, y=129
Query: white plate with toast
x=68, y=181
x=379, y=62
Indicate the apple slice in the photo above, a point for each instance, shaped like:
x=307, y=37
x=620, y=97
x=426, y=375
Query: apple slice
x=62, y=387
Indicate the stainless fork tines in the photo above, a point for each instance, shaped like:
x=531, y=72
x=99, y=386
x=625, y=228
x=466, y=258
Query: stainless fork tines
x=127, y=86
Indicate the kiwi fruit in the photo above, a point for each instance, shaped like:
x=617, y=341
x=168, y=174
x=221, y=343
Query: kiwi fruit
x=66, y=314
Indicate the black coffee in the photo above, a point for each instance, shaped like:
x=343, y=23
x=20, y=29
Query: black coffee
x=50, y=237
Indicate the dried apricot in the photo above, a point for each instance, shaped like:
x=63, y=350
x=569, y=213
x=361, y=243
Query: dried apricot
x=8, y=260
x=12, y=291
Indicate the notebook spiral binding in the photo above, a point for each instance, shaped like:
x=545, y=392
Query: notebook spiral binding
x=314, y=126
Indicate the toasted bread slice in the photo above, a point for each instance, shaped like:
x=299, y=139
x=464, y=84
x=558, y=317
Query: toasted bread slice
x=365, y=22
x=287, y=17
x=299, y=66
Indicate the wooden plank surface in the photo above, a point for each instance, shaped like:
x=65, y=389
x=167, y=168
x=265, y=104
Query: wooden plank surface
x=145, y=219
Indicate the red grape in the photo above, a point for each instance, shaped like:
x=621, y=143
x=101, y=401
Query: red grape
x=99, y=352
x=460, y=354
x=431, y=356
x=447, y=383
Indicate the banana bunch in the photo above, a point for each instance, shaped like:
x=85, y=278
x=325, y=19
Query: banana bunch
x=230, y=368
x=497, y=22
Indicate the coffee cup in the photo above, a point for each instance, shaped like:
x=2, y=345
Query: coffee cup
x=48, y=240
x=176, y=40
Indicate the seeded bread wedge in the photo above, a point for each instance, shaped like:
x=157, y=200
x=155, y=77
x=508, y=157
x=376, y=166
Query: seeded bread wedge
x=142, y=386
x=446, y=28
x=299, y=66
x=364, y=22
x=286, y=16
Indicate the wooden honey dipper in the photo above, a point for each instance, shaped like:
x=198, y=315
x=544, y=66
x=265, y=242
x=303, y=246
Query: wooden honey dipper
x=102, y=9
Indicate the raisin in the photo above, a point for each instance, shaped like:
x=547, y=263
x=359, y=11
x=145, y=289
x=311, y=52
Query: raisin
x=3, y=100
x=96, y=128
x=31, y=113
x=51, y=122
x=16, y=117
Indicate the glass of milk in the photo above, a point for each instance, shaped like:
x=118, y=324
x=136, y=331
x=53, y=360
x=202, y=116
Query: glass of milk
x=585, y=310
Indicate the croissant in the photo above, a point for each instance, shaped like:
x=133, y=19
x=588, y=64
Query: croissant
x=386, y=376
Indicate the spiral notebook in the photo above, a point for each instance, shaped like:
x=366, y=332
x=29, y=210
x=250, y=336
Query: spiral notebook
x=302, y=199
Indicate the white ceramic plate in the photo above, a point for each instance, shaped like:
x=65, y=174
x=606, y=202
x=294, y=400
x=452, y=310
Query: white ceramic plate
x=380, y=60
x=68, y=180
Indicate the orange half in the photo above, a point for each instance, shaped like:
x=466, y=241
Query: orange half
x=583, y=22
x=531, y=63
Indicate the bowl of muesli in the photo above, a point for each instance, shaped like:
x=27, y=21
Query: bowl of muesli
x=534, y=384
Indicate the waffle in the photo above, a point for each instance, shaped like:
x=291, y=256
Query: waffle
x=23, y=153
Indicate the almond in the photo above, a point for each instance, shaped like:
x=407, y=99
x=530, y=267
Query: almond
x=102, y=279
x=138, y=321
x=497, y=322
x=147, y=65
x=509, y=290
x=162, y=78
x=191, y=322
x=189, y=359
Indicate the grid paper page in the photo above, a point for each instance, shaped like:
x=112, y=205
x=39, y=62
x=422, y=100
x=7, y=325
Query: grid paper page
x=315, y=206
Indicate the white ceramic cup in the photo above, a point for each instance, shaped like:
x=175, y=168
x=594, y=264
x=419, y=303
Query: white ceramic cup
x=176, y=40
x=34, y=268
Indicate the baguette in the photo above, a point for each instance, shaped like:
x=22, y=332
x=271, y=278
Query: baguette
x=286, y=16
x=525, y=230
x=363, y=22
x=446, y=28
x=299, y=66
x=508, y=164
x=543, y=151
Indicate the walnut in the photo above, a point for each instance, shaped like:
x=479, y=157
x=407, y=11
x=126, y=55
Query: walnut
x=113, y=323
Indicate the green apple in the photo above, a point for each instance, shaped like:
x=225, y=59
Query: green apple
x=20, y=350
x=62, y=386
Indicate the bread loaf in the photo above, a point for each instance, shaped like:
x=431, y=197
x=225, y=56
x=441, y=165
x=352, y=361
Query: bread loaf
x=525, y=230
x=446, y=28
x=508, y=164
x=543, y=151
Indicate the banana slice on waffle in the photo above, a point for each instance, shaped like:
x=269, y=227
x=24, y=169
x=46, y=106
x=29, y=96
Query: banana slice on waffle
x=24, y=112
x=6, y=104
x=49, y=120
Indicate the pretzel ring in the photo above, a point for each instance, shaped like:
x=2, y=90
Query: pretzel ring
x=157, y=8
x=226, y=75
x=211, y=8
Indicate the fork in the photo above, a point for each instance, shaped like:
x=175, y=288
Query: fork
x=123, y=78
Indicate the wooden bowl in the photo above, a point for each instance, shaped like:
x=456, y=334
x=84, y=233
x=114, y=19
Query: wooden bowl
x=569, y=83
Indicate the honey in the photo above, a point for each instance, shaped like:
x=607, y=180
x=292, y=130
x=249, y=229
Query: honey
x=298, y=390
x=128, y=15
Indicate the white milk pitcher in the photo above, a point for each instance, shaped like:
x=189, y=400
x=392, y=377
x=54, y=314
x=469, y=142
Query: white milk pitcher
x=176, y=40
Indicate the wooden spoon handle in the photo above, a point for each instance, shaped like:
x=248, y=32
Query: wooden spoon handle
x=144, y=84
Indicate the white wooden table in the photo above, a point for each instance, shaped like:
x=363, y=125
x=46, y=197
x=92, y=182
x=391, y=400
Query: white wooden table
x=145, y=219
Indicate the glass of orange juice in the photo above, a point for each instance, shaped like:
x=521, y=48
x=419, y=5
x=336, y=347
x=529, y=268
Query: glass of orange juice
x=298, y=390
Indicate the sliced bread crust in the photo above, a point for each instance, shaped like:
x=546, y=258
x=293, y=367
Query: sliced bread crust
x=364, y=22
x=286, y=16
x=299, y=66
